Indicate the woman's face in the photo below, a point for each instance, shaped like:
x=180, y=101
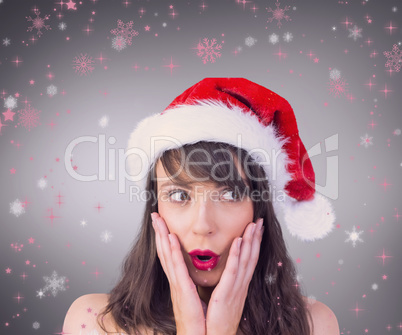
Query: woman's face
x=203, y=217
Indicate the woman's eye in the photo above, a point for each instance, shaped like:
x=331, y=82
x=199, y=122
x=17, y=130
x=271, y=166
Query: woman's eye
x=176, y=196
x=233, y=197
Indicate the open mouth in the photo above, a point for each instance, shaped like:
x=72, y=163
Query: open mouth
x=203, y=258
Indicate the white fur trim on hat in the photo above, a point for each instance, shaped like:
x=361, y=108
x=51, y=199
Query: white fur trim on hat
x=212, y=120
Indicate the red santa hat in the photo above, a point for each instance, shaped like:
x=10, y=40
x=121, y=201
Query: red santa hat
x=247, y=115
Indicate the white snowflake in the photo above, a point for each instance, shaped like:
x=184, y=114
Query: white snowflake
x=250, y=41
x=54, y=284
x=36, y=325
x=51, y=90
x=270, y=279
x=17, y=208
x=40, y=294
x=334, y=74
x=62, y=26
x=354, y=236
x=83, y=223
x=42, y=183
x=374, y=287
x=208, y=50
x=106, y=236
x=103, y=121
x=164, y=24
x=394, y=58
x=394, y=9
x=273, y=38
x=6, y=42
x=119, y=43
x=397, y=132
x=287, y=37
x=311, y=299
x=366, y=140
x=340, y=262
x=10, y=102
x=355, y=32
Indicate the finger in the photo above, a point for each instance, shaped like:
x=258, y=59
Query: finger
x=179, y=265
x=165, y=249
x=244, y=257
x=254, y=254
x=229, y=274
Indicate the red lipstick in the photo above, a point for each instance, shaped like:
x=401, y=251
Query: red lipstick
x=204, y=260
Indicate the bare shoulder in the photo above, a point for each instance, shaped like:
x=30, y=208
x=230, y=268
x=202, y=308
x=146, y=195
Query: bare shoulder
x=324, y=319
x=81, y=317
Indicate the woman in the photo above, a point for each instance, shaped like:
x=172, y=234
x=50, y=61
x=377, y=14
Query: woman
x=209, y=193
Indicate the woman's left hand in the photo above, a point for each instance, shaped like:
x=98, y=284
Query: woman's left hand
x=226, y=304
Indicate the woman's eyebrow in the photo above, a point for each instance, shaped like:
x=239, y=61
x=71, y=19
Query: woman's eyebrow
x=168, y=183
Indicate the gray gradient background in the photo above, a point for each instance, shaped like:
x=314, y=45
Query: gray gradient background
x=341, y=277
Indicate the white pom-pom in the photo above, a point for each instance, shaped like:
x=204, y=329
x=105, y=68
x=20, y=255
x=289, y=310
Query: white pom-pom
x=309, y=220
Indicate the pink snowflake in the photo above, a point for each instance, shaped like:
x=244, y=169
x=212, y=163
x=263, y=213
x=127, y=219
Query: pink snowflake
x=278, y=14
x=208, y=50
x=38, y=23
x=394, y=58
x=125, y=30
x=83, y=64
x=338, y=87
x=28, y=117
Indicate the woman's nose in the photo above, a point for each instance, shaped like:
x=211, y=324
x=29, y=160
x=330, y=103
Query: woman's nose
x=203, y=216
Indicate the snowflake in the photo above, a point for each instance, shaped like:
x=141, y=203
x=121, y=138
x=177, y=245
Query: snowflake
x=83, y=64
x=103, y=121
x=51, y=90
x=83, y=223
x=273, y=38
x=17, y=208
x=38, y=23
x=36, y=325
x=354, y=236
x=208, y=50
x=6, y=42
x=250, y=41
x=334, y=74
x=125, y=30
x=366, y=141
x=164, y=24
x=42, y=183
x=311, y=299
x=29, y=117
x=54, y=284
x=62, y=26
x=106, y=236
x=10, y=102
x=397, y=132
x=270, y=279
x=394, y=58
x=374, y=287
x=355, y=32
x=40, y=294
x=287, y=37
x=278, y=14
x=119, y=43
x=340, y=262
x=338, y=87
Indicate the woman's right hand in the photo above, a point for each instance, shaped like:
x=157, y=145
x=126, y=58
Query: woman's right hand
x=187, y=307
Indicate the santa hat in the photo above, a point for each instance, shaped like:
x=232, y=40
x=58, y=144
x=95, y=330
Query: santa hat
x=247, y=115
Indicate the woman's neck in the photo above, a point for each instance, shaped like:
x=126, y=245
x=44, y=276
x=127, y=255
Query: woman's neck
x=205, y=293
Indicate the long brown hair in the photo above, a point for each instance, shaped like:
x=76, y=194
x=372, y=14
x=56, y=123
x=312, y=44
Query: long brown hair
x=274, y=304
